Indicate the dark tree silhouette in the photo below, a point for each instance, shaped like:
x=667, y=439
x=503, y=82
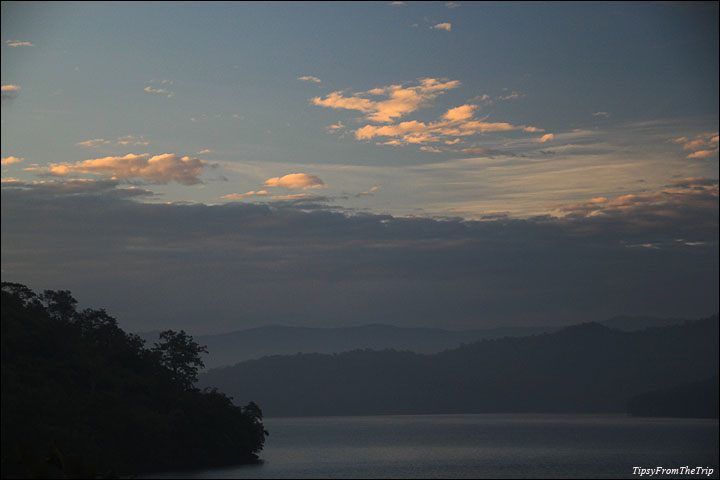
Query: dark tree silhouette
x=80, y=396
x=181, y=355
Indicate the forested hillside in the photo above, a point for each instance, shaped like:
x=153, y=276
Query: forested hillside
x=81, y=398
x=583, y=368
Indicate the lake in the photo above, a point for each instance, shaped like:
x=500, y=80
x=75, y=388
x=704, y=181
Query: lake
x=477, y=446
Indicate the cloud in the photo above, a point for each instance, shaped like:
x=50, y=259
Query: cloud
x=704, y=144
x=464, y=112
x=369, y=192
x=10, y=160
x=430, y=149
x=295, y=181
x=310, y=78
x=456, y=122
x=673, y=201
x=545, y=138
x=447, y=26
x=77, y=186
x=158, y=169
x=18, y=43
x=452, y=4
x=601, y=114
x=489, y=152
x=251, y=193
x=348, y=267
x=299, y=196
x=124, y=140
x=400, y=100
x=132, y=140
x=9, y=92
x=207, y=150
x=396, y=3
x=335, y=128
x=702, y=153
x=95, y=142
x=159, y=91
x=511, y=96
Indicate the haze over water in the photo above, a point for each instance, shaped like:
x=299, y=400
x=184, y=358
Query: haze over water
x=477, y=446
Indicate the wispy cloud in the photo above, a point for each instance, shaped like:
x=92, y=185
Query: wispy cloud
x=203, y=152
x=601, y=114
x=396, y=4
x=158, y=168
x=335, y=128
x=18, y=43
x=124, y=141
x=310, y=78
x=452, y=4
x=95, y=142
x=400, y=100
x=545, y=138
x=700, y=194
x=447, y=26
x=704, y=144
x=430, y=149
x=251, y=193
x=159, y=91
x=295, y=181
x=511, y=96
x=371, y=191
x=10, y=160
x=132, y=140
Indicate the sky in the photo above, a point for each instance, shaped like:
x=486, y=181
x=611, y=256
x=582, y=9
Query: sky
x=216, y=166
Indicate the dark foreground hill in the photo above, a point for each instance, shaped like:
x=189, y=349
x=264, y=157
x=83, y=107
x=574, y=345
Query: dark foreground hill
x=583, y=368
x=80, y=397
x=696, y=399
x=238, y=346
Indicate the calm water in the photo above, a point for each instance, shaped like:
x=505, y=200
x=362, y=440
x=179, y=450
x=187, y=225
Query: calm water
x=477, y=446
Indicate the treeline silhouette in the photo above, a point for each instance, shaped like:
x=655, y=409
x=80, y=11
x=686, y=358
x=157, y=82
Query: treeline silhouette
x=233, y=347
x=82, y=398
x=580, y=369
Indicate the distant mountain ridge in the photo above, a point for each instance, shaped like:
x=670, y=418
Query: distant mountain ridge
x=581, y=368
x=241, y=345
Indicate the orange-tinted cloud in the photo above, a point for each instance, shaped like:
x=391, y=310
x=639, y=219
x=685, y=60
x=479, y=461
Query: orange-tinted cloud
x=18, y=43
x=695, y=192
x=158, y=169
x=251, y=193
x=704, y=144
x=545, y=138
x=456, y=122
x=400, y=100
x=463, y=112
x=447, y=26
x=159, y=91
x=124, y=140
x=309, y=78
x=702, y=153
x=9, y=160
x=9, y=91
x=335, y=128
x=295, y=181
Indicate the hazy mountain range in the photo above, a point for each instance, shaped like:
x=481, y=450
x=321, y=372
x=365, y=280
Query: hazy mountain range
x=582, y=368
x=233, y=347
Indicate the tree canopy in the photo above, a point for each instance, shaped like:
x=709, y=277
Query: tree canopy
x=80, y=396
